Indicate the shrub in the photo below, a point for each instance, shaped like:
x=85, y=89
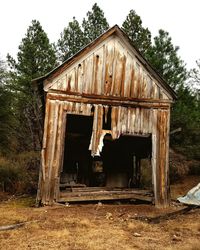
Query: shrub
x=9, y=175
x=19, y=174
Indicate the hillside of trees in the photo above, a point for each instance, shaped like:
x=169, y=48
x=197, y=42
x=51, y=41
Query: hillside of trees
x=21, y=121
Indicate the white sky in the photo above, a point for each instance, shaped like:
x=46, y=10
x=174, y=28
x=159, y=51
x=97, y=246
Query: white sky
x=181, y=18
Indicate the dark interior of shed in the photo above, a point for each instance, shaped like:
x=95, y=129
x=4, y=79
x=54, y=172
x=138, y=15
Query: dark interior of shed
x=119, y=165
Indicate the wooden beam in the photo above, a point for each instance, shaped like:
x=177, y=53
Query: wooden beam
x=103, y=195
x=107, y=97
x=111, y=102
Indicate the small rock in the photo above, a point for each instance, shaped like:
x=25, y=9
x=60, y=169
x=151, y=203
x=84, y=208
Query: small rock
x=176, y=238
x=109, y=216
x=137, y=235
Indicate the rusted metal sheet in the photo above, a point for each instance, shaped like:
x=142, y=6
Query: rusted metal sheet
x=111, y=70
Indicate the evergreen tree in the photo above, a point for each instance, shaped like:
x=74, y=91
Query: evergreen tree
x=195, y=78
x=163, y=56
x=95, y=24
x=71, y=40
x=140, y=36
x=36, y=57
x=7, y=119
x=186, y=114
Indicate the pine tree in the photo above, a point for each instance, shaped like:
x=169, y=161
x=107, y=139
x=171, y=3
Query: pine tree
x=95, y=24
x=71, y=40
x=195, y=78
x=163, y=56
x=36, y=57
x=140, y=36
x=7, y=119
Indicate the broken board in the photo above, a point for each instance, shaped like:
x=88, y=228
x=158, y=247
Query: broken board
x=100, y=194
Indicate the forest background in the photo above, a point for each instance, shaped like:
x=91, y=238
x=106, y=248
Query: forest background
x=21, y=118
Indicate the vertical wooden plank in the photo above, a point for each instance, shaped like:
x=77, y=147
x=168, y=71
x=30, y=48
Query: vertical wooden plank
x=51, y=165
x=163, y=159
x=137, y=120
x=58, y=150
x=46, y=152
x=114, y=121
x=142, y=83
x=132, y=119
x=138, y=81
x=42, y=172
x=148, y=86
x=89, y=74
x=98, y=71
x=75, y=71
x=45, y=197
x=145, y=121
x=71, y=80
x=63, y=135
x=112, y=90
x=154, y=154
x=97, y=129
x=161, y=166
x=150, y=120
x=103, y=70
x=128, y=122
x=109, y=68
x=133, y=82
x=119, y=121
x=80, y=77
x=123, y=76
x=141, y=125
x=124, y=115
x=167, y=157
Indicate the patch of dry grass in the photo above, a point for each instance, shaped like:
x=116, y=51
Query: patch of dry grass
x=86, y=228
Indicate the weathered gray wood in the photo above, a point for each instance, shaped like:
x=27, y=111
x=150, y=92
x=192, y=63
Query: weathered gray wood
x=10, y=227
x=108, y=73
x=104, y=195
x=162, y=170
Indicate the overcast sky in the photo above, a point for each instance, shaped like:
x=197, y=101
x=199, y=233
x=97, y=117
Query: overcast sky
x=181, y=18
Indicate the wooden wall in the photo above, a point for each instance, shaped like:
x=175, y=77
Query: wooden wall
x=107, y=73
x=139, y=118
x=109, y=69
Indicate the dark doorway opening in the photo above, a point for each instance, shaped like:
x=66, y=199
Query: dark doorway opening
x=77, y=158
x=127, y=161
x=123, y=163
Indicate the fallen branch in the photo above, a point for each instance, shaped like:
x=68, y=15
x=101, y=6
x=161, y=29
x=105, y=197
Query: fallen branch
x=10, y=227
x=14, y=226
x=172, y=215
x=175, y=131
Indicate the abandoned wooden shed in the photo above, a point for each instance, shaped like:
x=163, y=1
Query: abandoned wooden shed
x=106, y=109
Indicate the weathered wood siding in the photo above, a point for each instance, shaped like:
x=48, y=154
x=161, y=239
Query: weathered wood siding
x=107, y=73
x=111, y=69
x=124, y=120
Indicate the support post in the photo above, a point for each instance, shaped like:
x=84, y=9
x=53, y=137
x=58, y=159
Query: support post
x=160, y=158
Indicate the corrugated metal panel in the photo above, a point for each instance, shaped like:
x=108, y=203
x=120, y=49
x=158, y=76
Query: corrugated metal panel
x=192, y=197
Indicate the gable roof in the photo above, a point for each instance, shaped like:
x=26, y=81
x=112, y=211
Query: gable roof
x=119, y=32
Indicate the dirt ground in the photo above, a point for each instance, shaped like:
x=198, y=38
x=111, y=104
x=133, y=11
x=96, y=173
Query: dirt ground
x=98, y=226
